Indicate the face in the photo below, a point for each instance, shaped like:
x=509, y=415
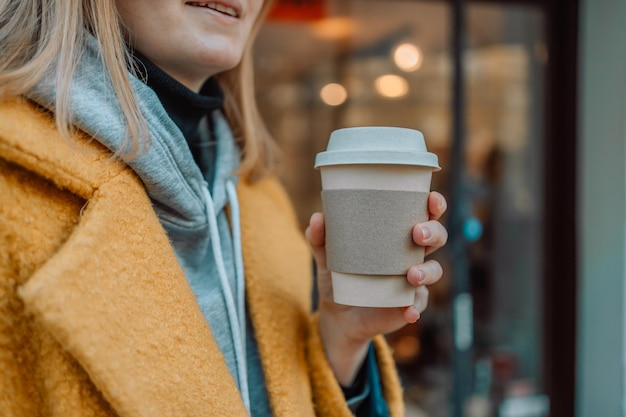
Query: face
x=190, y=40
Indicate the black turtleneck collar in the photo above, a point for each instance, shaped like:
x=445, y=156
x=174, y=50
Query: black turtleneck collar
x=184, y=106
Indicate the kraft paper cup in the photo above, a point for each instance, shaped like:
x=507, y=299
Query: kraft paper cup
x=375, y=185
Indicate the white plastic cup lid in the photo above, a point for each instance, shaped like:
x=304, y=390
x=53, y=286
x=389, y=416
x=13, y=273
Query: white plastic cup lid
x=377, y=145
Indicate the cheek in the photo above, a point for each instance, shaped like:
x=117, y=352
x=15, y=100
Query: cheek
x=148, y=23
x=160, y=34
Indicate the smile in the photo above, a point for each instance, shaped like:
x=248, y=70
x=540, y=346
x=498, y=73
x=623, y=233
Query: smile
x=218, y=7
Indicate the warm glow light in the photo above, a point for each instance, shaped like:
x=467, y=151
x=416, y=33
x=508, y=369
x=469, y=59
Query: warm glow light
x=391, y=86
x=408, y=57
x=333, y=94
x=334, y=28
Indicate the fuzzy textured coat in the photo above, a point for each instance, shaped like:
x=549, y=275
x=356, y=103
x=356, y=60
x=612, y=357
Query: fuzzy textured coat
x=96, y=315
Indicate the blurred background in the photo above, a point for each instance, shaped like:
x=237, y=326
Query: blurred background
x=524, y=103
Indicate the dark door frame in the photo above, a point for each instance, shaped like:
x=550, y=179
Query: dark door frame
x=561, y=270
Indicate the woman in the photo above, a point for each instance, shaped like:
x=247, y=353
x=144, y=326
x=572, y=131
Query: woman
x=136, y=194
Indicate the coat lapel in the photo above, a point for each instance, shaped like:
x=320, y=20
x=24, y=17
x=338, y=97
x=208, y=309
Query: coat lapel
x=278, y=285
x=116, y=298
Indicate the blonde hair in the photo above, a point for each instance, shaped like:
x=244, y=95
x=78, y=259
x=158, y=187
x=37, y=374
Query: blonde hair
x=37, y=36
x=242, y=112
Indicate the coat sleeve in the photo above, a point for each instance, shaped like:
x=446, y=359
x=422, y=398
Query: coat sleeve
x=327, y=393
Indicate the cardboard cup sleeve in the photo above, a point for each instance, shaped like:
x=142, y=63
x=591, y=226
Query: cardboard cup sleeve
x=369, y=232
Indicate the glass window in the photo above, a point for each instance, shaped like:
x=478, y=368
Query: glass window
x=322, y=65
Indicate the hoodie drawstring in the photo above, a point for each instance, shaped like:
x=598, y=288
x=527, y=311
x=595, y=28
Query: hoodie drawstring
x=236, y=311
x=231, y=192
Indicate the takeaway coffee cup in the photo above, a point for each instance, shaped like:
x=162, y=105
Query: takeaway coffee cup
x=375, y=185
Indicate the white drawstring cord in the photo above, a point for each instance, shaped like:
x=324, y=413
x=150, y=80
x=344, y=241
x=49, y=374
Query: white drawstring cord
x=241, y=285
x=237, y=321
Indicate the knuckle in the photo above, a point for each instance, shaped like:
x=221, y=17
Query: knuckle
x=421, y=299
x=433, y=270
x=422, y=291
x=442, y=235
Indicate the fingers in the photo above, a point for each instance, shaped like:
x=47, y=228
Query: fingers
x=421, y=298
x=316, y=236
x=437, y=205
x=430, y=234
x=315, y=233
x=412, y=313
x=428, y=273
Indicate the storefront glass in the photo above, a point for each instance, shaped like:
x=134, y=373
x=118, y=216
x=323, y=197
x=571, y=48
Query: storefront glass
x=325, y=65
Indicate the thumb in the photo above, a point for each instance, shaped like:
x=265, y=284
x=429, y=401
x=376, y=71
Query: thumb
x=316, y=237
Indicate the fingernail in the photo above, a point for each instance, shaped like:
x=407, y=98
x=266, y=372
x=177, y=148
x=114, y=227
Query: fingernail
x=426, y=233
x=421, y=276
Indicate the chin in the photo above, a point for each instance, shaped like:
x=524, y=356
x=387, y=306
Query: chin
x=220, y=60
x=228, y=64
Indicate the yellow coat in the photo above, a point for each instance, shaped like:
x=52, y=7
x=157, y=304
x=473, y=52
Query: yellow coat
x=96, y=315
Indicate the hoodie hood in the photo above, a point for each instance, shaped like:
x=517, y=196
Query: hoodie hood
x=167, y=169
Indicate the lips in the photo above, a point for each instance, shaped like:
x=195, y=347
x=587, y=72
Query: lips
x=218, y=7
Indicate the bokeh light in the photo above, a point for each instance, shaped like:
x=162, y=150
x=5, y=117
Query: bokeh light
x=408, y=57
x=391, y=86
x=333, y=94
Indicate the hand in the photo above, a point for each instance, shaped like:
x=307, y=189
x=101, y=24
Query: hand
x=346, y=330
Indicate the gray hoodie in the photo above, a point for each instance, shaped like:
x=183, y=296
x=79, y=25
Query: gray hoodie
x=193, y=215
